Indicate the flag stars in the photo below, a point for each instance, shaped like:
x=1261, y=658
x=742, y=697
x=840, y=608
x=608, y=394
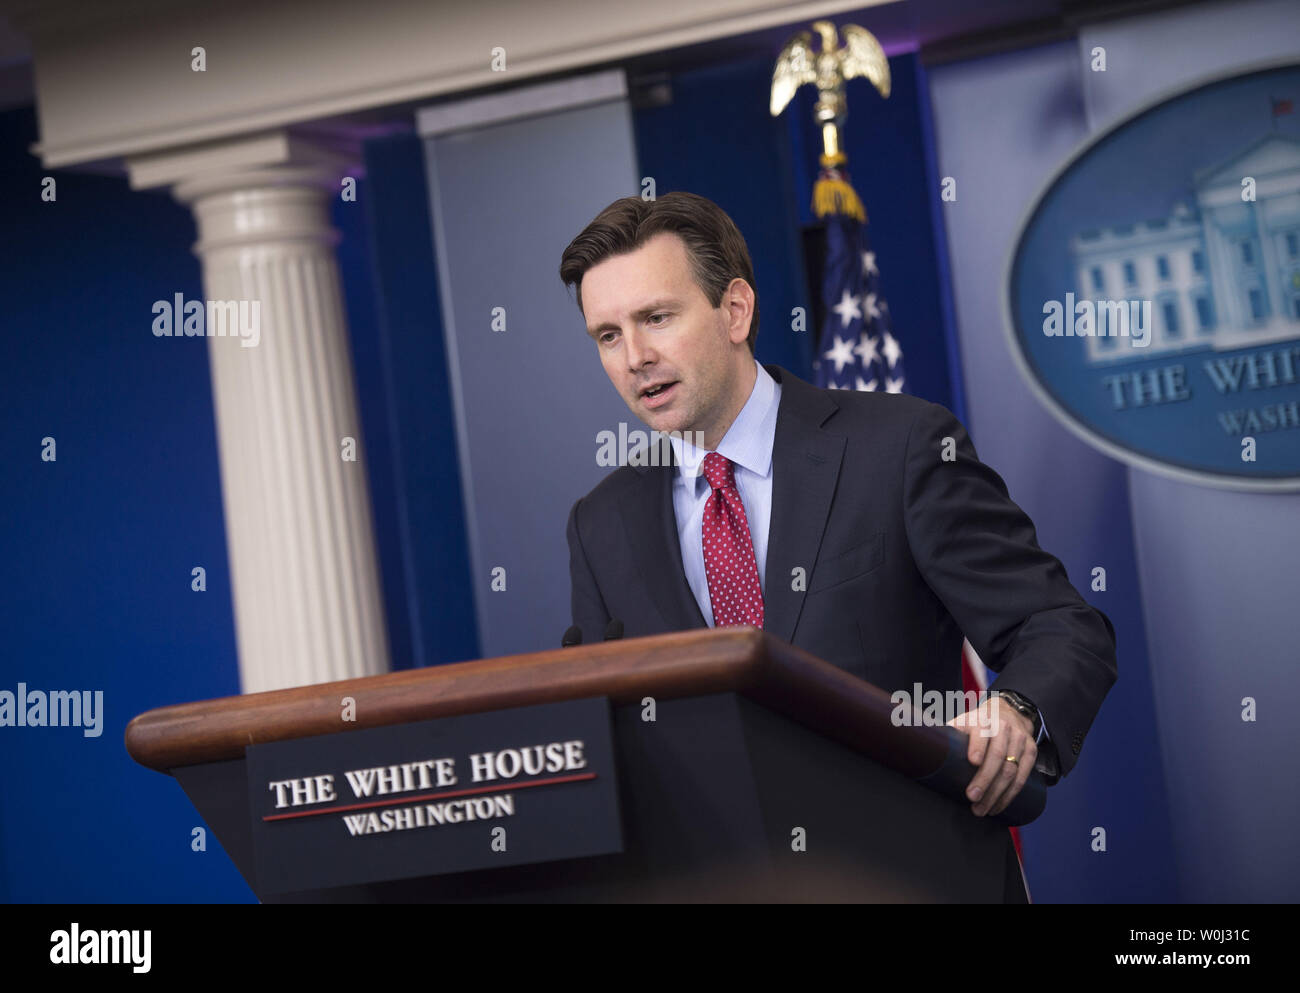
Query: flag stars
x=866, y=350
x=841, y=353
x=866, y=356
x=848, y=309
x=892, y=350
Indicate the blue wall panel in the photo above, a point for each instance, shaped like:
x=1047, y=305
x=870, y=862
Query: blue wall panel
x=406, y=396
x=96, y=548
x=717, y=139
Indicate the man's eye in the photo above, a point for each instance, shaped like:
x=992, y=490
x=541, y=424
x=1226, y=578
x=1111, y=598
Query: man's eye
x=658, y=317
x=606, y=337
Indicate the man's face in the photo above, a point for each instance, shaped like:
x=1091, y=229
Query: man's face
x=653, y=325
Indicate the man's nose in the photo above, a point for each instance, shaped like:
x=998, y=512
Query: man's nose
x=637, y=350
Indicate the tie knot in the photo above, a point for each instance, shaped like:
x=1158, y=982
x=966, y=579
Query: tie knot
x=719, y=471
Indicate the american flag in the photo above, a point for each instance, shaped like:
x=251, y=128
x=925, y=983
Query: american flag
x=858, y=350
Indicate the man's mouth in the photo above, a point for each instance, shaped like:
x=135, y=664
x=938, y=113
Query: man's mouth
x=657, y=393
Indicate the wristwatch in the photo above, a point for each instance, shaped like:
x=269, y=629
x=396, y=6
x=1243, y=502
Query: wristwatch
x=1023, y=705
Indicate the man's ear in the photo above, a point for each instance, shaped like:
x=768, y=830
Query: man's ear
x=738, y=302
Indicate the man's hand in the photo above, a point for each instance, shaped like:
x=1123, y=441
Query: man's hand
x=997, y=730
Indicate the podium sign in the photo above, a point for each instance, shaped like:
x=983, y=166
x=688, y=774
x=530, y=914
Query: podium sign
x=510, y=787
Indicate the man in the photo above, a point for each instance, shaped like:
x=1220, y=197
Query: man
x=907, y=541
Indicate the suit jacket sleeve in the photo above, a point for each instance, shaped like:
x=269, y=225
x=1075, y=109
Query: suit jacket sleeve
x=589, y=611
x=979, y=554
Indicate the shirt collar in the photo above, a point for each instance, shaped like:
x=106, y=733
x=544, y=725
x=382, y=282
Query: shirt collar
x=749, y=440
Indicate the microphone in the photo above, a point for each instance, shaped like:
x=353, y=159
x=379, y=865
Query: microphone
x=614, y=630
x=573, y=636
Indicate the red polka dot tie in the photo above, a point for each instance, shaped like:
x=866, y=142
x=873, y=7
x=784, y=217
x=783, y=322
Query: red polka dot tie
x=729, y=562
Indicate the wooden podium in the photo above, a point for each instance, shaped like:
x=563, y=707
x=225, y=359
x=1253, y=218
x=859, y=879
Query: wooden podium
x=752, y=740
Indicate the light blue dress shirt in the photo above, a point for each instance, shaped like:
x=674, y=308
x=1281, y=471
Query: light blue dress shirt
x=747, y=443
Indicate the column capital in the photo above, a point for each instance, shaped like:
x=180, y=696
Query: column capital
x=278, y=157
x=257, y=191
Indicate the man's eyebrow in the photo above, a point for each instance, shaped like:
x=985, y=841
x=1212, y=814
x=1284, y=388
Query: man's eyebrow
x=640, y=315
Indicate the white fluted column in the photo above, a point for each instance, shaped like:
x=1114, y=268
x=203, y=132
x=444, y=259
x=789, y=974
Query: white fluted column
x=298, y=525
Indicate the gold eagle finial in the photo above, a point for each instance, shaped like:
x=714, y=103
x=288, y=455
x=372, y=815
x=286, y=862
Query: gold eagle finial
x=798, y=64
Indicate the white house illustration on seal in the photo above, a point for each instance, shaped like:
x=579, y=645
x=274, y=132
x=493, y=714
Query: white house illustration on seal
x=1224, y=274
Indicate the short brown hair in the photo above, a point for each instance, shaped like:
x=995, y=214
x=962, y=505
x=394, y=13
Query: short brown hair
x=714, y=244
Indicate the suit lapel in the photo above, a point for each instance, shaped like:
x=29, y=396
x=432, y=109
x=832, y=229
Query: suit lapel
x=805, y=469
x=651, y=524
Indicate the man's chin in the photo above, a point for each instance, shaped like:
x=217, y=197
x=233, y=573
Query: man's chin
x=656, y=420
x=666, y=424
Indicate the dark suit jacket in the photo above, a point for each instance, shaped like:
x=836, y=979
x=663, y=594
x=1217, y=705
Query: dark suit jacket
x=902, y=550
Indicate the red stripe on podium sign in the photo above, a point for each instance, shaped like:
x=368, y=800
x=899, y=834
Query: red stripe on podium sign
x=552, y=781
